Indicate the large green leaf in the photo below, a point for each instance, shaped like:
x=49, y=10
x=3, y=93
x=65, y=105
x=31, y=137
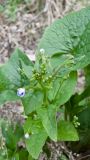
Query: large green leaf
x=35, y=143
x=10, y=78
x=48, y=118
x=67, y=132
x=69, y=35
x=37, y=136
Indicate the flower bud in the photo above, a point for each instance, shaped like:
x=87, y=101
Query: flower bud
x=26, y=136
x=42, y=51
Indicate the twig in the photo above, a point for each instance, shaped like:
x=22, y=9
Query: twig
x=33, y=19
x=84, y=157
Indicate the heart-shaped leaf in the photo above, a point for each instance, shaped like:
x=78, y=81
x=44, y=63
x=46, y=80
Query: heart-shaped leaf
x=69, y=35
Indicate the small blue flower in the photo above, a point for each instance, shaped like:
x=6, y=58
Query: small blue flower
x=21, y=92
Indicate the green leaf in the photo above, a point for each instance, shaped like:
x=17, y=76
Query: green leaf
x=32, y=101
x=67, y=89
x=84, y=130
x=62, y=61
x=37, y=136
x=35, y=143
x=23, y=154
x=27, y=69
x=69, y=35
x=1, y=8
x=30, y=158
x=8, y=95
x=10, y=140
x=79, y=97
x=18, y=131
x=67, y=132
x=82, y=50
x=9, y=72
x=48, y=118
x=19, y=55
x=79, y=102
x=10, y=78
x=2, y=158
x=32, y=125
x=15, y=157
x=84, y=118
x=12, y=135
x=63, y=89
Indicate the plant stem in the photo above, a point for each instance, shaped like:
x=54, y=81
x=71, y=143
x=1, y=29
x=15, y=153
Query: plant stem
x=65, y=114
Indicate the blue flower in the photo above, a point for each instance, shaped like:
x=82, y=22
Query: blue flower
x=21, y=92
